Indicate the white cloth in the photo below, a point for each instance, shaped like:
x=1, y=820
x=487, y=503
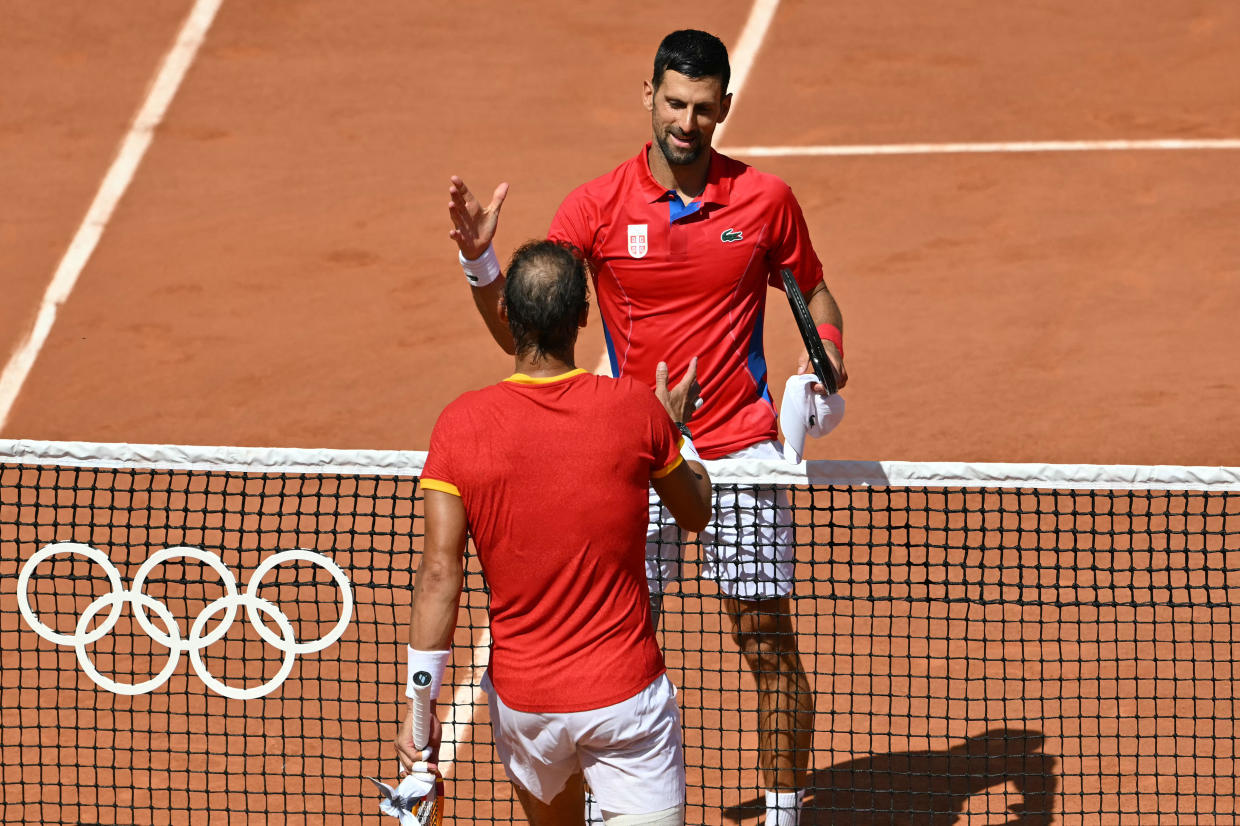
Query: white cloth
x=806, y=413
x=411, y=801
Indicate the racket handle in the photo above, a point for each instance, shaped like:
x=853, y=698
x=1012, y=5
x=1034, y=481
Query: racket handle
x=421, y=709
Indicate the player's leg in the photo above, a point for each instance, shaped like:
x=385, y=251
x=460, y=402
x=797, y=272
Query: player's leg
x=539, y=756
x=675, y=816
x=748, y=549
x=565, y=809
x=767, y=640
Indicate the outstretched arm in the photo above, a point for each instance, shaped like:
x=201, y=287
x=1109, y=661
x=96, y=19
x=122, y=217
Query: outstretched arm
x=473, y=230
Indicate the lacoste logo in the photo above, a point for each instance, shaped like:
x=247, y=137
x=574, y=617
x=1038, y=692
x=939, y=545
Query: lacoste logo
x=729, y=235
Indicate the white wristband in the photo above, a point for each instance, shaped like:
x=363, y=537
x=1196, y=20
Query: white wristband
x=482, y=270
x=435, y=662
x=687, y=450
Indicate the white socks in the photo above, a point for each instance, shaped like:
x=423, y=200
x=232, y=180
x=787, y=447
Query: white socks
x=784, y=808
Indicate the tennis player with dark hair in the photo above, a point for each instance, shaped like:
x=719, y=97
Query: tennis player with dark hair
x=548, y=471
x=682, y=243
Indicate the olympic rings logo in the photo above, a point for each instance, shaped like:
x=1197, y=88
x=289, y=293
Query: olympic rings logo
x=286, y=642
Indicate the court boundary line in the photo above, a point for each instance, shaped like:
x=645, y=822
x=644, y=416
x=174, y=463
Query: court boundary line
x=112, y=188
x=465, y=697
x=742, y=58
x=1156, y=144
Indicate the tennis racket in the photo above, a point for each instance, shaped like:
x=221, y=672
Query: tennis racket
x=429, y=811
x=809, y=333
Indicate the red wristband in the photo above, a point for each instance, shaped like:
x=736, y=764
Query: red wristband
x=833, y=334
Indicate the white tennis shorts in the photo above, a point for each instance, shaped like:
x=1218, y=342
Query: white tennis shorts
x=631, y=753
x=748, y=546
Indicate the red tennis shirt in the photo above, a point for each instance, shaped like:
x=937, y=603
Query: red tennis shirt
x=553, y=474
x=676, y=281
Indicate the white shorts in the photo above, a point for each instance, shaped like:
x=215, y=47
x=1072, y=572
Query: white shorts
x=748, y=546
x=631, y=753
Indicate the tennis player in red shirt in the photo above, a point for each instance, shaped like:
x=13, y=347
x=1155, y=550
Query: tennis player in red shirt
x=548, y=471
x=682, y=243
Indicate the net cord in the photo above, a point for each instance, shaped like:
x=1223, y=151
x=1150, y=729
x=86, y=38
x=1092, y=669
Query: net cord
x=404, y=463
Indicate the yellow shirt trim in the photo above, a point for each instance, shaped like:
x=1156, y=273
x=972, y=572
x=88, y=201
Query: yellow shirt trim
x=437, y=484
x=659, y=474
x=521, y=378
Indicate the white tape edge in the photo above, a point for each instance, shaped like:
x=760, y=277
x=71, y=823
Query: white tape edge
x=747, y=471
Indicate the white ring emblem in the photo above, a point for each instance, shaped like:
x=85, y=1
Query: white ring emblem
x=169, y=635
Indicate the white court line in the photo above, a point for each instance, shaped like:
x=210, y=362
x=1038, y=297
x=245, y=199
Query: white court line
x=958, y=148
x=746, y=51
x=113, y=187
x=463, y=703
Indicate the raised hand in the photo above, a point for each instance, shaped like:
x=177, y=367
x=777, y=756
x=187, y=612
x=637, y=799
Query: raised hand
x=473, y=226
x=679, y=401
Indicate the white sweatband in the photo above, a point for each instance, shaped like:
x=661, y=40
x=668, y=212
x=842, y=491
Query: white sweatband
x=434, y=662
x=482, y=270
x=688, y=451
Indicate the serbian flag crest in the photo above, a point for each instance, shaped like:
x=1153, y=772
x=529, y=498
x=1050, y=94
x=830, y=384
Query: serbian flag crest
x=638, y=243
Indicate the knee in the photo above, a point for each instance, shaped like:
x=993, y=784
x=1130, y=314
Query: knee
x=767, y=651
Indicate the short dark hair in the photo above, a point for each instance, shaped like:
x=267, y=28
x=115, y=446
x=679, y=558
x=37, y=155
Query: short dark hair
x=694, y=54
x=544, y=293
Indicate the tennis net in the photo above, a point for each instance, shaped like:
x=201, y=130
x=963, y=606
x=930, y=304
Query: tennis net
x=985, y=643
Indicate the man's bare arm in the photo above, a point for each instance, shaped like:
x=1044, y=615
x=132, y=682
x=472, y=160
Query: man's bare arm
x=825, y=310
x=486, y=300
x=436, y=599
x=473, y=230
x=686, y=494
x=441, y=575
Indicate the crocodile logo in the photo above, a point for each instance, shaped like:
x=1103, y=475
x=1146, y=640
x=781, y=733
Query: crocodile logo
x=729, y=235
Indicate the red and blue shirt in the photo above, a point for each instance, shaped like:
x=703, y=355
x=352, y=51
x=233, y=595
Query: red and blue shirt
x=676, y=281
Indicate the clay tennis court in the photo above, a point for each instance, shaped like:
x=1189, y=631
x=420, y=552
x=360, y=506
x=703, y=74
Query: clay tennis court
x=276, y=272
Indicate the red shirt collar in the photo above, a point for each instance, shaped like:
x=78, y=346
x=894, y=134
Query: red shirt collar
x=718, y=184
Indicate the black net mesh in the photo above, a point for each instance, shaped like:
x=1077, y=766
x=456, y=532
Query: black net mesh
x=980, y=655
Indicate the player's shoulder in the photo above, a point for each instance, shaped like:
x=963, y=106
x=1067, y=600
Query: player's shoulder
x=636, y=396
x=461, y=409
x=622, y=392
x=629, y=386
x=750, y=180
x=609, y=183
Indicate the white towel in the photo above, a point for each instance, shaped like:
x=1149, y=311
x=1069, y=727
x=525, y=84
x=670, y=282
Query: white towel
x=806, y=413
x=403, y=801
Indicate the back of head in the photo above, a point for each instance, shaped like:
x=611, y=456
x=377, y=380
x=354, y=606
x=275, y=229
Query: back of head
x=694, y=54
x=545, y=293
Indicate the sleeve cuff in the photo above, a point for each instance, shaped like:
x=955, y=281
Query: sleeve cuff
x=440, y=485
x=675, y=463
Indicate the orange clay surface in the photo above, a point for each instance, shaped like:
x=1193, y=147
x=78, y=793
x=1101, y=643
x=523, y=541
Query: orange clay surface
x=279, y=271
